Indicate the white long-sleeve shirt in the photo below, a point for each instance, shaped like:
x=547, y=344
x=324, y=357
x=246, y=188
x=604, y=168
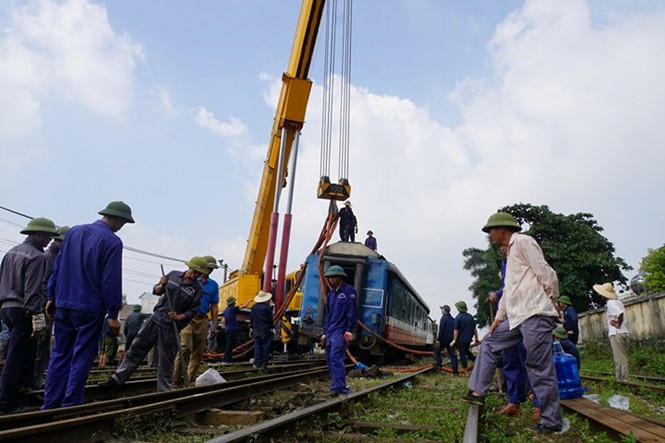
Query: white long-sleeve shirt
x=531, y=286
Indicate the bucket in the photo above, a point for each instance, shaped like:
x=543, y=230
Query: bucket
x=567, y=374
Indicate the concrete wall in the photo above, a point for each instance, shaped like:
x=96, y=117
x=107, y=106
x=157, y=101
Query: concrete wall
x=645, y=319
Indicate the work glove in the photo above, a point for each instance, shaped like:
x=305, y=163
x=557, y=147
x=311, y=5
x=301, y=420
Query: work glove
x=38, y=325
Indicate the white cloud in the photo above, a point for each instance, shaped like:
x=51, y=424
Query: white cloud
x=233, y=129
x=60, y=50
x=164, y=102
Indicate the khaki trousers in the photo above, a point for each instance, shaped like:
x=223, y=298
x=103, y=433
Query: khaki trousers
x=192, y=342
x=619, y=343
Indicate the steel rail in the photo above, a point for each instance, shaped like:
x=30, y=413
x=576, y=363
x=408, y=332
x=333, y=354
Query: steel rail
x=643, y=377
x=252, y=432
x=61, y=424
x=634, y=387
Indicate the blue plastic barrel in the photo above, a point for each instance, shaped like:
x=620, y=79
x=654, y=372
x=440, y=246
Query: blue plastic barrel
x=567, y=374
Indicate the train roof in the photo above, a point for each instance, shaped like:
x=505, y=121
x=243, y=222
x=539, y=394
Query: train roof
x=360, y=250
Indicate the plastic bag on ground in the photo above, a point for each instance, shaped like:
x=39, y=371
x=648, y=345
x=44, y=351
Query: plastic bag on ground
x=593, y=397
x=209, y=377
x=619, y=402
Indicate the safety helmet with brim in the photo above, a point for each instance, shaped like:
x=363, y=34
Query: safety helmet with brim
x=118, y=209
x=212, y=262
x=40, y=224
x=199, y=264
x=335, y=271
x=62, y=231
x=262, y=297
x=501, y=220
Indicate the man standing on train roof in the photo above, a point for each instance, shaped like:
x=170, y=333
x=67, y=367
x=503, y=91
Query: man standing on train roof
x=444, y=337
x=570, y=322
x=348, y=224
x=85, y=286
x=339, y=325
x=527, y=313
x=465, y=329
x=262, y=328
x=616, y=329
x=181, y=298
x=22, y=274
x=43, y=351
x=193, y=337
x=370, y=241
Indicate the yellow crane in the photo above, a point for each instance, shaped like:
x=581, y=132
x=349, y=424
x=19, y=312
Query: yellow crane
x=245, y=282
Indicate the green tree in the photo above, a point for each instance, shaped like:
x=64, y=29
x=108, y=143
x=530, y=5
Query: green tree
x=572, y=244
x=653, y=266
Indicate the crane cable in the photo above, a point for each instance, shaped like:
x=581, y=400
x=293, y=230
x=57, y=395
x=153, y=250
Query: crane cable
x=328, y=109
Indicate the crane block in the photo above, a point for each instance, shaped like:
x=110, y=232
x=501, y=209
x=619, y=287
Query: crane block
x=333, y=191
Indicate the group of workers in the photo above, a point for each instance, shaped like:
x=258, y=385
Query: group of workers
x=73, y=288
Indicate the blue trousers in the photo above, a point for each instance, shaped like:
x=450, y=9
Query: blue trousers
x=335, y=354
x=19, y=353
x=464, y=353
x=76, y=344
x=262, y=351
x=453, y=359
x=515, y=372
x=230, y=337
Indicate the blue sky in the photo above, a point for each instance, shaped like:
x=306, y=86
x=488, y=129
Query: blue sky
x=458, y=108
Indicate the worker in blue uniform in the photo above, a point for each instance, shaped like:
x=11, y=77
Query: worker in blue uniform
x=84, y=287
x=567, y=344
x=181, y=298
x=339, y=326
x=370, y=241
x=570, y=322
x=22, y=275
x=262, y=328
x=465, y=329
x=444, y=337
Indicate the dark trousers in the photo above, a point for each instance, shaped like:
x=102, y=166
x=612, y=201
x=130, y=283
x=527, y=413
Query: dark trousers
x=515, y=372
x=19, y=352
x=163, y=338
x=464, y=353
x=347, y=232
x=230, y=337
x=335, y=353
x=76, y=345
x=451, y=354
x=129, y=339
x=262, y=351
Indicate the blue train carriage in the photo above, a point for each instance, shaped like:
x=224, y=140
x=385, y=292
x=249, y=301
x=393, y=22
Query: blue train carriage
x=387, y=303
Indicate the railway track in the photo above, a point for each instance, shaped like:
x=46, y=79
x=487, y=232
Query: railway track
x=641, y=377
x=79, y=423
x=634, y=387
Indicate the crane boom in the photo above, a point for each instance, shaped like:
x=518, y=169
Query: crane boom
x=289, y=118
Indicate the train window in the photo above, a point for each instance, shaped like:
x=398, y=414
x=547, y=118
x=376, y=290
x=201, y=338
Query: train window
x=373, y=298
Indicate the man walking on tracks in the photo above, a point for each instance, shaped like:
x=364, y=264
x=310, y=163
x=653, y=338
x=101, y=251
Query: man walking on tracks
x=85, y=286
x=181, y=298
x=338, y=327
x=465, y=329
x=22, y=298
x=526, y=314
x=193, y=337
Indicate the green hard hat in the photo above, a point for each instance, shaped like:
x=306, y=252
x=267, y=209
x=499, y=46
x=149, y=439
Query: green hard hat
x=501, y=220
x=118, y=209
x=199, y=264
x=565, y=299
x=212, y=262
x=136, y=308
x=334, y=271
x=560, y=332
x=62, y=230
x=230, y=301
x=40, y=224
x=461, y=306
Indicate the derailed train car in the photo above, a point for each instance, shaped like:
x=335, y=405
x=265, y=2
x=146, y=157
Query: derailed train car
x=387, y=303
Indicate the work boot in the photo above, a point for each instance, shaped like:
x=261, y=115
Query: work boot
x=478, y=400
